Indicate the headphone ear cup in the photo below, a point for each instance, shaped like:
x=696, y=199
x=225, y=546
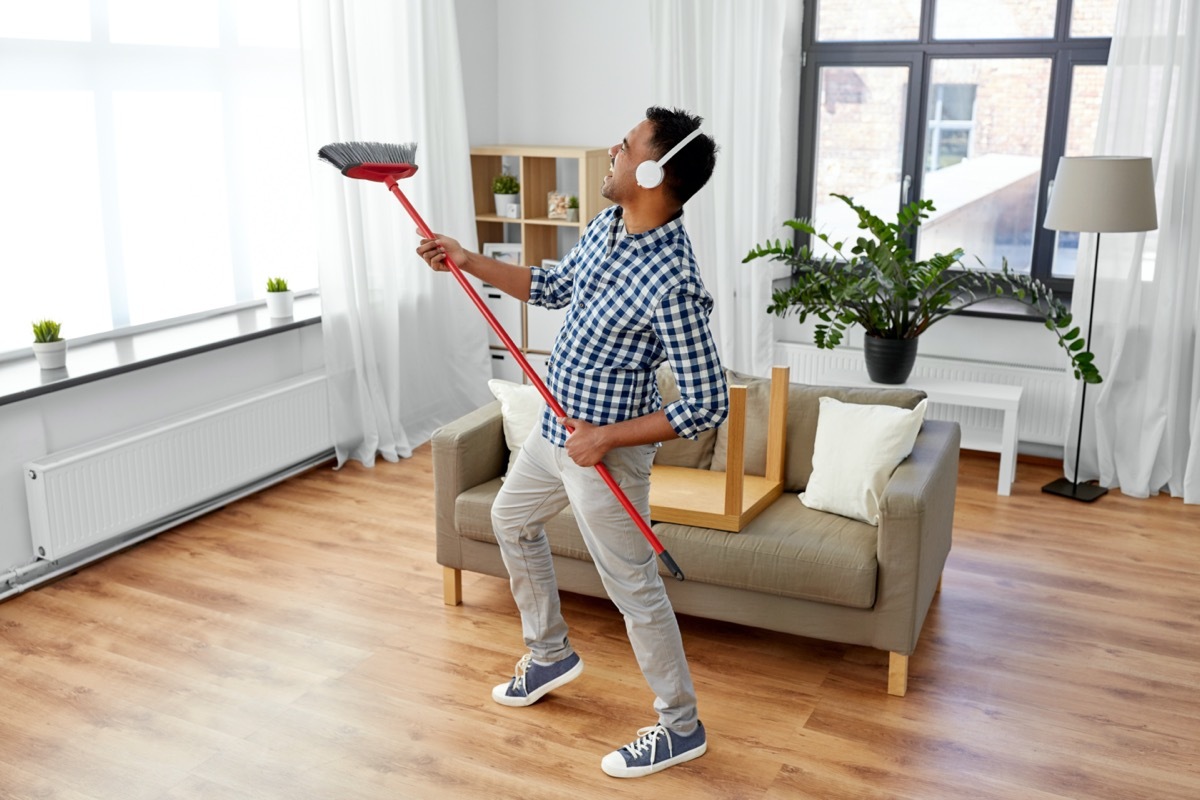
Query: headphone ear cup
x=649, y=174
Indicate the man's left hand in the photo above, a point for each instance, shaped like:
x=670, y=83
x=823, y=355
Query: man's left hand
x=587, y=445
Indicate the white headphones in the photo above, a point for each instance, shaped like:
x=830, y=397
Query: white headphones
x=650, y=173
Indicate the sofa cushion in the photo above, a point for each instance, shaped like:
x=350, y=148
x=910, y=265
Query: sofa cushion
x=521, y=409
x=473, y=518
x=803, y=411
x=693, y=454
x=788, y=550
x=857, y=449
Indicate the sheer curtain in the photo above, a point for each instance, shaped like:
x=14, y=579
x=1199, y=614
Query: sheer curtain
x=404, y=349
x=738, y=66
x=1144, y=430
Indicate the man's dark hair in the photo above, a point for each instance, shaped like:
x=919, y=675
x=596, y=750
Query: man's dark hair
x=690, y=168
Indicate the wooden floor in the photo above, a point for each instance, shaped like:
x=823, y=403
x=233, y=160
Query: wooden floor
x=295, y=645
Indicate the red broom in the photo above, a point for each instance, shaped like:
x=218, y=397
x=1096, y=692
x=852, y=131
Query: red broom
x=390, y=163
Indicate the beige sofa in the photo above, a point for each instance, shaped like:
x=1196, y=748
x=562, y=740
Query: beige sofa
x=792, y=569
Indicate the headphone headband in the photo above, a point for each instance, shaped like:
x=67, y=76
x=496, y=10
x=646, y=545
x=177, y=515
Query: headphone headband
x=679, y=146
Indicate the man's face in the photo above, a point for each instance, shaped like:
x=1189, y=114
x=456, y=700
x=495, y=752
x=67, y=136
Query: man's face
x=621, y=183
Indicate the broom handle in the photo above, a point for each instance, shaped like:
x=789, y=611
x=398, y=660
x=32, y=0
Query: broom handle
x=536, y=381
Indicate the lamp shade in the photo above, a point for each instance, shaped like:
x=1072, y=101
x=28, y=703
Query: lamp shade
x=1103, y=194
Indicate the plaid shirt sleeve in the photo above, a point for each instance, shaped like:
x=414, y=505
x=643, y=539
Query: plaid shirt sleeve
x=681, y=324
x=551, y=288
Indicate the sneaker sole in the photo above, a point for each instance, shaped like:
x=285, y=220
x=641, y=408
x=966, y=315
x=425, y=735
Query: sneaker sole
x=500, y=696
x=623, y=771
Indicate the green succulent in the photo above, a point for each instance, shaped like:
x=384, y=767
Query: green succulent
x=572, y=202
x=276, y=285
x=877, y=283
x=505, y=184
x=46, y=331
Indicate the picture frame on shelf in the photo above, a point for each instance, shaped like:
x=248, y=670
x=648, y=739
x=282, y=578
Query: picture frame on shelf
x=556, y=205
x=508, y=252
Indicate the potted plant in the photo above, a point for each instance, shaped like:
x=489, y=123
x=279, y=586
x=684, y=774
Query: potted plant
x=572, y=209
x=880, y=285
x=506, y=190
x=49, y=348
x=279, y=299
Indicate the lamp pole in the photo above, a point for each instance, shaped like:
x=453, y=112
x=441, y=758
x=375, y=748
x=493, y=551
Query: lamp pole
x=1071, y=488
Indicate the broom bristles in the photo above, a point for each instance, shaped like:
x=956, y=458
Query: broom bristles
x=346, y=155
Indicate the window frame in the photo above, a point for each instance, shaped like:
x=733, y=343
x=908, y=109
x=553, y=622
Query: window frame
x=918, y=54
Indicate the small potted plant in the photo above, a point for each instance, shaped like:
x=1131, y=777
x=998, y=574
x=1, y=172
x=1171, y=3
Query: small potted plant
x=572, y=209
x=279, y=299
x=49, y=348
x=507, y=191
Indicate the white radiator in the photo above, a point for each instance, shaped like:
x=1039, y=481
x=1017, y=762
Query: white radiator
x=90, y=494
x=1045, y=402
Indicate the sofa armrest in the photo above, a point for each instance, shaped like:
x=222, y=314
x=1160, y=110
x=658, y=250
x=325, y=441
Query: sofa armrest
x=467, y=452
x=915, y=526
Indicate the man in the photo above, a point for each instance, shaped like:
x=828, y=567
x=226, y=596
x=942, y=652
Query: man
x=636, y=299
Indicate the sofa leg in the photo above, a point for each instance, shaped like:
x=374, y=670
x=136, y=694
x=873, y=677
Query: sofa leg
x=452, y=586
x=897, y=674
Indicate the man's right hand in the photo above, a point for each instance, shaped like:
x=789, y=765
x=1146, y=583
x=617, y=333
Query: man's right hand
x=435, y=251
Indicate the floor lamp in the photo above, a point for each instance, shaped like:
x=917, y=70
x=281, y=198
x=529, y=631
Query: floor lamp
x=1098, y=194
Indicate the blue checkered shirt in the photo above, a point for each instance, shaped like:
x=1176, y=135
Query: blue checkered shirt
x=635, y=301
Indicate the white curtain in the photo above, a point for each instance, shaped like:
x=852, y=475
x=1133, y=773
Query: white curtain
x=1143, y=432
x=404, y=349
x=738, y=66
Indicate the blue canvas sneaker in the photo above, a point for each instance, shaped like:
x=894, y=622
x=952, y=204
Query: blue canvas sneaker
x=655, y=749
x=532, y=681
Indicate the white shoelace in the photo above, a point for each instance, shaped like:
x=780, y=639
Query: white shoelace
x=519, y=672
x=648, y=740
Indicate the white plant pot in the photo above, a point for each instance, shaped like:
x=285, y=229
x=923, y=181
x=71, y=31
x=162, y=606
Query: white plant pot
x=503, y=201
x=572, y=215
x=279, y=305
x=51, y=355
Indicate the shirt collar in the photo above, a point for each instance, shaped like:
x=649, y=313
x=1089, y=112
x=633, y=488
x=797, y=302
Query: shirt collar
x=646, y=240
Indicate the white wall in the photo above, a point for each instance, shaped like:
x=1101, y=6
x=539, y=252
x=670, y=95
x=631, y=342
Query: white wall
x=572, y=73
x=478, y=46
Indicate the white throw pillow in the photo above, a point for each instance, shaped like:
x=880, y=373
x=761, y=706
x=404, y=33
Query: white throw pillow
x=857, y=449
x=521, y=408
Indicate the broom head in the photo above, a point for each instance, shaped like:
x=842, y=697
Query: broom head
x=372, y=161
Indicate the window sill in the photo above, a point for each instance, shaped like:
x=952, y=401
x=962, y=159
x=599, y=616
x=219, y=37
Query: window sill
x=21, y=379
x=1005, y=308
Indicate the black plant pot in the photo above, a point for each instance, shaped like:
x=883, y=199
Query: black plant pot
x=889, y=360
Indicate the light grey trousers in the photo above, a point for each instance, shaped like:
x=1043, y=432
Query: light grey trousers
x=542, y=481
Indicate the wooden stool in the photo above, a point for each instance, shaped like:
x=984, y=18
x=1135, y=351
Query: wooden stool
x=728, y=500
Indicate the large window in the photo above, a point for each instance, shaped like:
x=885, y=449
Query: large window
x=969, y=103
x=155, y=160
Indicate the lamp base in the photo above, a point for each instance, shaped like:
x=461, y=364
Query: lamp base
x=1086, y=492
